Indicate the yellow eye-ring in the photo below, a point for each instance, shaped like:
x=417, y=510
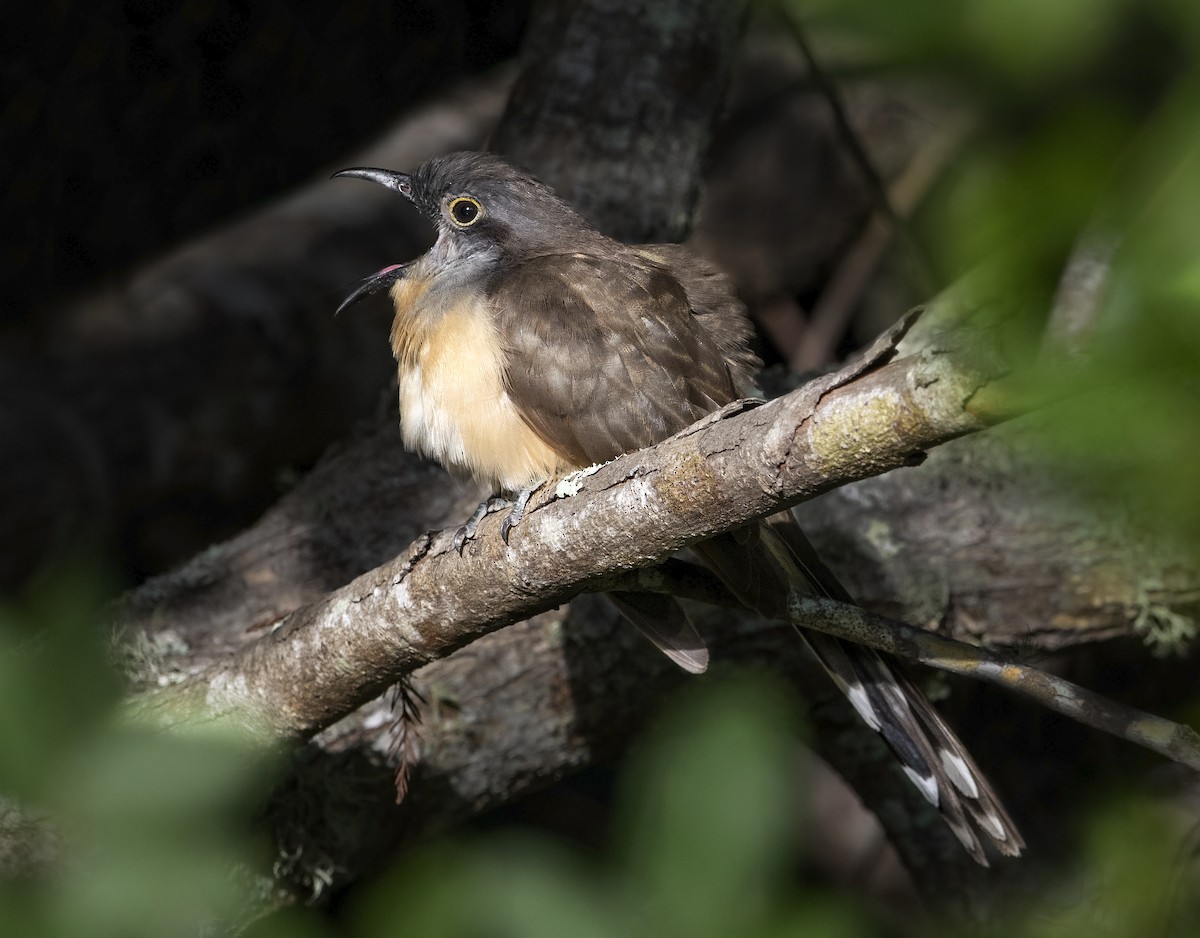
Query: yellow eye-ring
x=465, y=211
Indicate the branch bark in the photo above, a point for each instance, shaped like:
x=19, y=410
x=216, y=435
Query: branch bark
x=610, y=125
x=328, y=658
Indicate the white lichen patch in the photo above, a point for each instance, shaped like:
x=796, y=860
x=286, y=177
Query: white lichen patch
x=1157, y=731
x=1164, y=631
x=571, y=484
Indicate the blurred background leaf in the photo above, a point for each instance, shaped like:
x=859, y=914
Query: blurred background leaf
x=1084, y=117
x=115, y=830
x=1134, y=880
x=54, y=687
x=705, y=838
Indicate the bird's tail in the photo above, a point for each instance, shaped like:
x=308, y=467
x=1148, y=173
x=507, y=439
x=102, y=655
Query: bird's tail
x=662, y=620
x=761, y=564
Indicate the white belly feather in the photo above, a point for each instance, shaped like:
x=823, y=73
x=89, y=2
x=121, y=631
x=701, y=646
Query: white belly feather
x=454, y=406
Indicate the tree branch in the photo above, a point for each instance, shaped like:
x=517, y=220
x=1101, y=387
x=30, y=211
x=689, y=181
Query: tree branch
x=369, y=499
x=855, y=624
x=334, y=655
x=1173, y=740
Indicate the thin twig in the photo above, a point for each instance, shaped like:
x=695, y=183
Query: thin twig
x=830, y=91
x=1174, y=740
x=846, y=621
x=834, y=308
x=886, y=221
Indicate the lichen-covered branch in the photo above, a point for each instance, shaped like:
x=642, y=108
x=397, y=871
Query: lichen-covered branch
x=1173, y=740
x=329, y=657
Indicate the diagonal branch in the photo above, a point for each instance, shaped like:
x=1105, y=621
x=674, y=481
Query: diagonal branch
x=327, y=658
x=1175, y=741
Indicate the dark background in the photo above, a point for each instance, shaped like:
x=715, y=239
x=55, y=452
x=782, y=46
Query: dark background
x=129, y=127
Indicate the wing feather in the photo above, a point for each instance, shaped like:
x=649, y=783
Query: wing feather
x=590, y=376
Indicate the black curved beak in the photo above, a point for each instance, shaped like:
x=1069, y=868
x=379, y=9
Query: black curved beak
x=397, y=182
x=373, y=284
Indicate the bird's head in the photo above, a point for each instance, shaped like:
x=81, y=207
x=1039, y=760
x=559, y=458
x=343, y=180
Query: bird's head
x=485, y=210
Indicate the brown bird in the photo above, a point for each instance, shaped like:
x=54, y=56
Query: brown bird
x=529, y=345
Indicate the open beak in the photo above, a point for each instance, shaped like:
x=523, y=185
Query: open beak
x=397, y=182
x=375, y=283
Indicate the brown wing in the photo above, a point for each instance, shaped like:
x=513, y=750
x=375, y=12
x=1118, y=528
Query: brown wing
x=716, y=306
x=604, y=355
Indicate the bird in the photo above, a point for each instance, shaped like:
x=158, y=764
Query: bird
x=529, y=345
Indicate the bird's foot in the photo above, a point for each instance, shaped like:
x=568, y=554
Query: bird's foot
x=489, y=506
x=486, y=507
x=517, y=513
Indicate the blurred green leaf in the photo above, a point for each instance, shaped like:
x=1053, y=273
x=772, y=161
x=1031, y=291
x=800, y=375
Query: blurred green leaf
x=55, y=682
x=1018, y=208
x=706, y=836
x=1134, y=880
x=1132, y=430
x=536, y=888
x=1027, y=40
x=709, y=812
x=131, y=832
x=1017, y=42
x=161, y=820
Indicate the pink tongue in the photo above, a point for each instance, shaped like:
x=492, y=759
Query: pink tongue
x=388, y=269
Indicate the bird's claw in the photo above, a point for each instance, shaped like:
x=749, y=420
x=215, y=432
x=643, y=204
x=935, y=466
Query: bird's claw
x=518, y=512
x=486, y=507
x=507, y=525
x=464, y=533
x=467, y=531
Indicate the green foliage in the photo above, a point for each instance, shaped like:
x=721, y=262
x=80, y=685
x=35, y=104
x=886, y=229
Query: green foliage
x=704, y=833
x=54, y=689
x=1083, y=130
x=148, y=832
x=115, y=830
x=706, y=829
x=1000, y=44
x=1136, y=434
x=1135, y=880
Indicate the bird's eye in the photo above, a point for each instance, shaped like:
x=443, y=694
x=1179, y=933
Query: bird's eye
x=465, y=211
